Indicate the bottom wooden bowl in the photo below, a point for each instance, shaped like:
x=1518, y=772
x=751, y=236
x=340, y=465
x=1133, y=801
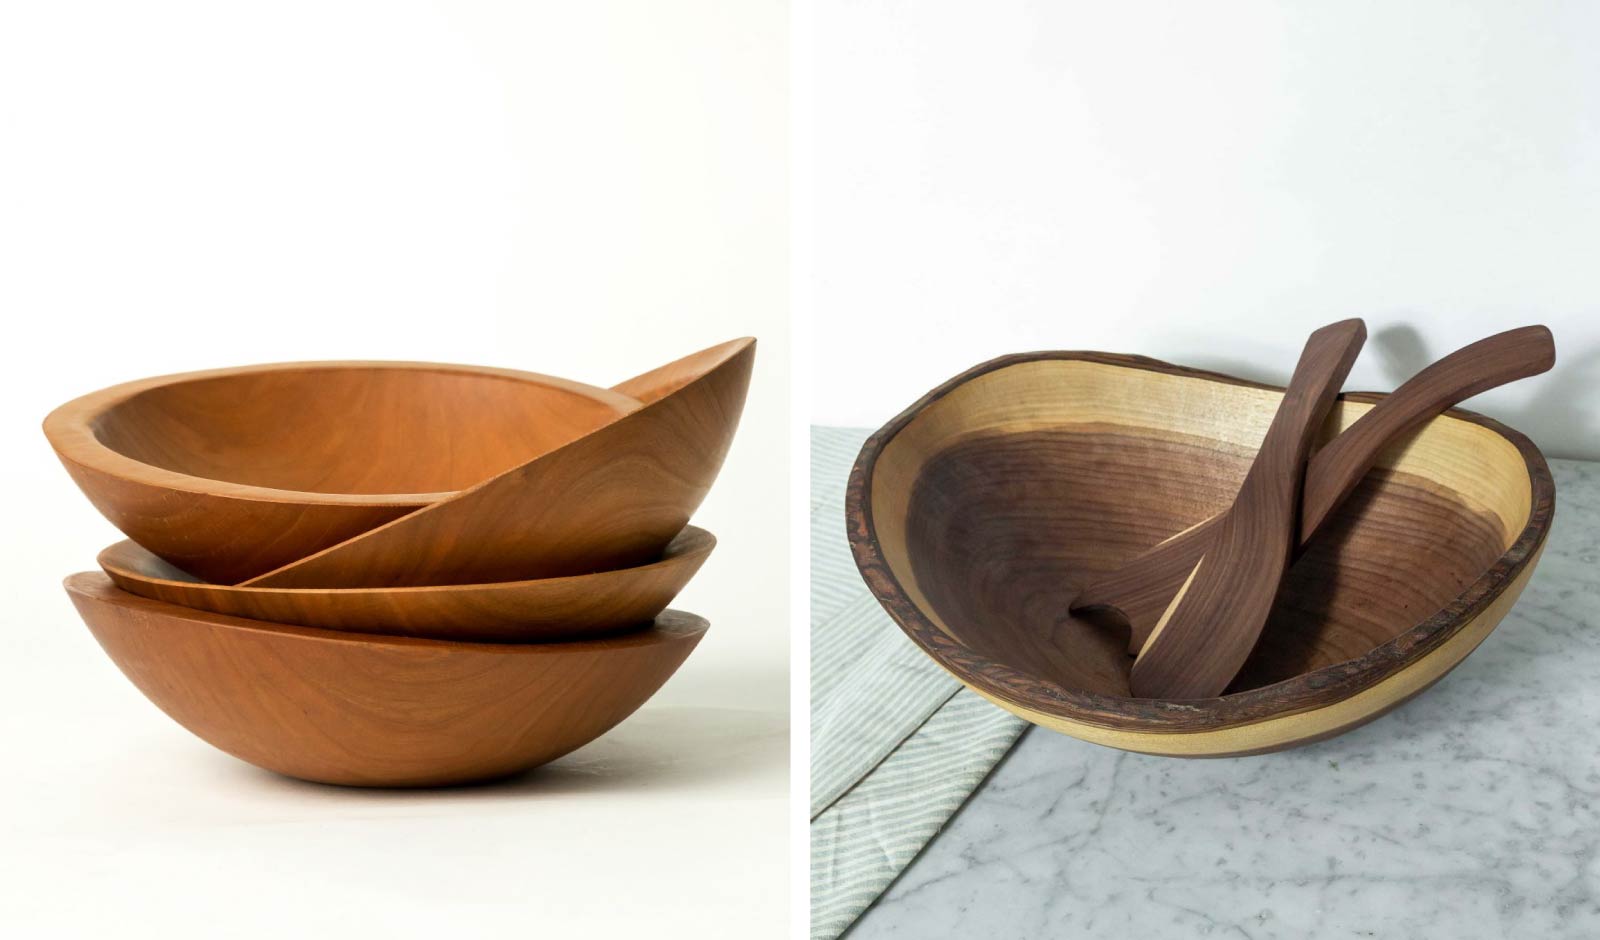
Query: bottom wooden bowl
x=977, y=514
x=377, y=711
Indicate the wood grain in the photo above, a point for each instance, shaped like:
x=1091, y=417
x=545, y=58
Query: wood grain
x=1138, y=592
x=230, y=473
x=1215, y=618
x=611, y=499
x=978, y=514
x=365, y=711
x=542, y=610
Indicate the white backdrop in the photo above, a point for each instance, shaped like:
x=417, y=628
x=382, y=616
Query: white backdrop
x=1202, y=183
x=587, y=189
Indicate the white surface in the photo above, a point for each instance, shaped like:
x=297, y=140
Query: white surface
x=1202, y=183
x=584, y=189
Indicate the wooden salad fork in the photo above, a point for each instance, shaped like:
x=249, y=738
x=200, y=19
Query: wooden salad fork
x=1141, y=590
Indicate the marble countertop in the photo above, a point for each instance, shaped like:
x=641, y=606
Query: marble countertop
x=1472, y=811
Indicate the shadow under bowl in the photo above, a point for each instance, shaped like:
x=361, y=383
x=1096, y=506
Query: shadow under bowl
x=536, y=611
x=231, y=473
x=358, y=710
x=977, y=514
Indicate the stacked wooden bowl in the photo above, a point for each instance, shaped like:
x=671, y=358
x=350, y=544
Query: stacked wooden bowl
x=399, y=574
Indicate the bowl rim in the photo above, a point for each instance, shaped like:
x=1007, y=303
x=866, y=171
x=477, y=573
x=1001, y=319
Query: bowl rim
x=669, y=626
x=691, y=546
x=70, y=429
x=1304, y=692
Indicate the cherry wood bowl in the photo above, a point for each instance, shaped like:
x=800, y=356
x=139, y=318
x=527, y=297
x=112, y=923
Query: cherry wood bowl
x=977, y=513
x=542, y=610
x=613, y=498
x=359, y=710
x=231, y=473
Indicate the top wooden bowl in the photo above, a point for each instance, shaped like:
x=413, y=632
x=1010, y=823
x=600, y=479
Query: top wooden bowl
x=977, y=513
x=234, y=472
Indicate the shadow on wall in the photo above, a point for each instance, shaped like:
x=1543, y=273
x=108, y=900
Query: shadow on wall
x=1562, y=415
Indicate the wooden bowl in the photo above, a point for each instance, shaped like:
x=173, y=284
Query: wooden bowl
x=613, y=498
x=234, y=472
x=977, y=513
x=544, y=610
x=368, y=711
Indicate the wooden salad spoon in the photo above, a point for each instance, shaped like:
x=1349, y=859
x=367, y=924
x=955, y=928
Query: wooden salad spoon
x=1140, y=590
x=1213, y=621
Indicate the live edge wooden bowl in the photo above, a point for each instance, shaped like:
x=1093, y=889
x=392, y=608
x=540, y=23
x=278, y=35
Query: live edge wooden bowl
x=541, y=610
x=976, y=514
x=358, y=710
x=231, y=473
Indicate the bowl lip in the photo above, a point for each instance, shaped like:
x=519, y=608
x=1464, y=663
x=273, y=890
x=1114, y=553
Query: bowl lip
x=1304, y=692
x=70, y=429
x=669, y=627
x=689, y=547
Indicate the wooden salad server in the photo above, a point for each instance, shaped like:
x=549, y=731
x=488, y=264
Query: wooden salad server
x=1215, y=618
x=1140, y=590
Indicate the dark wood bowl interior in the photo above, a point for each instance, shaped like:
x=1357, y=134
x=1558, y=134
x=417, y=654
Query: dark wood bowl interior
x=1001, y=564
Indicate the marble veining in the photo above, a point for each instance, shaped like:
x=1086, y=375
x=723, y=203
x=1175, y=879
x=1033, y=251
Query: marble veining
x=1472, y=811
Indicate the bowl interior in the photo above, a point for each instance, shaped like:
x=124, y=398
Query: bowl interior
x=1000, y=497
x=365, y=429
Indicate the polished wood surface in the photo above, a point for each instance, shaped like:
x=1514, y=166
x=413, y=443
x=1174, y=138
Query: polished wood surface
x=1213, y=621
x=613, y=498
x=231, y=473
x=367, y=711
x=1138, y=592
x=978, y=513
x=501, y=612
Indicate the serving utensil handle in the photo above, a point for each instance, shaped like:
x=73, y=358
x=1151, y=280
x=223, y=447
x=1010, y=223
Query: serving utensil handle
x=1336, y=469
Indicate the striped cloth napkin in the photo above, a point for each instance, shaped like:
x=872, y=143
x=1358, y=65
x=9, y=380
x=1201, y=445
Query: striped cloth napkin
x=896, y=744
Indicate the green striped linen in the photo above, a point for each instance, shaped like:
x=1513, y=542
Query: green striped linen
x=896, y=744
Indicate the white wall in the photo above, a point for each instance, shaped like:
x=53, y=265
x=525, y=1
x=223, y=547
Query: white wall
x=1202, y=183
